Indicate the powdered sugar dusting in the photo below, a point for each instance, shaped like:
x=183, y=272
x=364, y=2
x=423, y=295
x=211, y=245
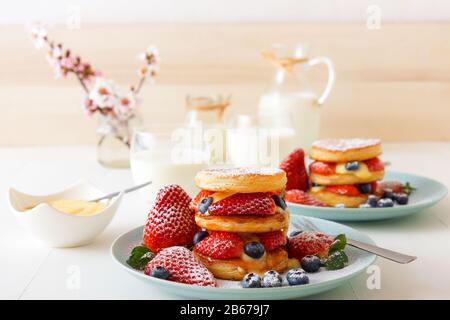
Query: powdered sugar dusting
x=240, y=171
x=345, y=144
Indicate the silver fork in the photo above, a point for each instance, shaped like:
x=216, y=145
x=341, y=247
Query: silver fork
x=307, y=225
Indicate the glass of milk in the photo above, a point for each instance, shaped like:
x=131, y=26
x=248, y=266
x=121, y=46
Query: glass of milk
x=290, y=95
x=165, y=156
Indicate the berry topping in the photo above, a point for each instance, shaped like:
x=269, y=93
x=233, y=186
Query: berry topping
x=365, y=188
x=301, y=197
x=310, y=263
x=352, y=165
x=372, y=201
x=199, y=236
x=297, y=277
x=401, y=198
x=395, y=186
x=204, y=204
x=374, y=164
x=385, y=203
x=344, y=190
x=279, y=202
x=254, y=250
x=258, y=203
x=251, y=280
x=309, y=243
x=294, y=166
x=199, y=197
x=220, y=245
x=322, y=168
x=171, y=221
x=182, y=266
x=272, y=240
x=159, y=272
x=271, y=279
x=365, y=206
x=388, y=194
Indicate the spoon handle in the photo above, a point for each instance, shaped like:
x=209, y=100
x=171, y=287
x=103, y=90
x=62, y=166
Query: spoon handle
x=111, y=195
x=385, y=253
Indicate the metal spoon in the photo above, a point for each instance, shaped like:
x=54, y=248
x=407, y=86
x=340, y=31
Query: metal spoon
x=112, y=195
x=398, y=257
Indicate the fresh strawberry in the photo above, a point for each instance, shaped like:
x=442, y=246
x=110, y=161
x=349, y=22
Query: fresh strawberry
x=170, y=222
x=309, y=243
x=301, y=197
x=322, y=168
x=220, y=245
x=294, y=166
x=272, y=240
x=344, y=190
x=183, y=267
x=258, y=203
x=201, y=195
x=374, y=164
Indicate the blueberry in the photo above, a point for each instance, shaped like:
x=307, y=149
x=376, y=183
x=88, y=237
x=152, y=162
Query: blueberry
x=297, y=277
x=251, y=280
x=352, y=165
x=271, y=279
x=254, y=250
x=295, y=233
x=372, y=201
x=388, y=194
x=204, y=204
x=310, y=263
x=365, y=188
x=279, y=201
x=385, y=203
x=401, y=198
x=160, y=273
x=340, y=205
x=365, y=206
x=199, y=236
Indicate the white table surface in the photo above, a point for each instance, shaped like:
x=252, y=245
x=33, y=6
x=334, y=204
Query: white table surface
x=29, y=270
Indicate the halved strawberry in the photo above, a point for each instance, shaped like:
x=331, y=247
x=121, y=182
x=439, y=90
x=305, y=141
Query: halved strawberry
x=294, y=166
x=183, y=267
x=259, y=203
x=220, y=245
x=272, y=240
x=374, y=164
x=309, y=243
x=171, y=221
x=344, y=190
x=301, y=197
x=322, y=168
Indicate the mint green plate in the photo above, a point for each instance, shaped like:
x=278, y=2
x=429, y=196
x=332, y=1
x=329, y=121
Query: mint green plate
x=231, y=290
x=428, y=193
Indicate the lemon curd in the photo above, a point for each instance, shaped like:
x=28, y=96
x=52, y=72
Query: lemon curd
x=77, y=207
x=362, y=172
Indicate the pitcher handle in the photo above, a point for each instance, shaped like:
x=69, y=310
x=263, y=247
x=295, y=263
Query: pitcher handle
x=331, y=76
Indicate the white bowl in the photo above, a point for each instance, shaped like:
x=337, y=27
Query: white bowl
x=59, y=229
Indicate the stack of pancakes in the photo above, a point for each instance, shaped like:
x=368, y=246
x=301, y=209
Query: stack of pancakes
x=222, y=191
x=345, y=171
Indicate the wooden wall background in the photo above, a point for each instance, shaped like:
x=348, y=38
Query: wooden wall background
x=392, y=83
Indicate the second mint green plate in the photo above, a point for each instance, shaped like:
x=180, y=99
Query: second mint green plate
x=428, y=193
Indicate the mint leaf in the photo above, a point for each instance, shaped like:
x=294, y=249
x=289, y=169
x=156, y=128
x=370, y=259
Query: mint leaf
x=408, y=188
x=337, y=260
x=339, y=243
x=139, y=257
